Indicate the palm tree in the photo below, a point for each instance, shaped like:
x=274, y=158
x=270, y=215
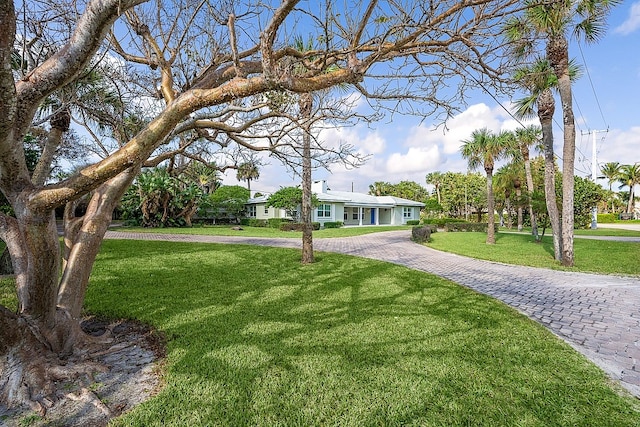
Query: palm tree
x=435, y=179
x=611, y=171
x=248, y=171
x=526, y=138
x=630, y=177
x=206, y=177
x=538, y=79
x=484, y=149
x=553, y=20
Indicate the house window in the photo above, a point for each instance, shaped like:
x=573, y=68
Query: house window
x=407, y=213
x=266, y=209
x=252, y=211
x=355, y=214
x=324, y=211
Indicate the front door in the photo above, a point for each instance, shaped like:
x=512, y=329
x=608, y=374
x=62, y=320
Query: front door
x=373, y=216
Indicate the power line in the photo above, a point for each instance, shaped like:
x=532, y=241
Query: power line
x=593, y=89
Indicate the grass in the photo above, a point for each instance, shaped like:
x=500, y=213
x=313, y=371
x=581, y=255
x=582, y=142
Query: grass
x=227, y=230
x=597, y=256
x=255, y=338
x=607, y=232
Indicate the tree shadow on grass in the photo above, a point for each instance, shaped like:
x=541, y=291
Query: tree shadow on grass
x=257, y=339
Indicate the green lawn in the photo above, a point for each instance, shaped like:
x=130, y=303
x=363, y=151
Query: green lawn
x=598, y=256
x=255, y=338
x=227, y=230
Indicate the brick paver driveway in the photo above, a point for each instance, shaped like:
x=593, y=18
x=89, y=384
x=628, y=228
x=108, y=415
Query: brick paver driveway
x=596, y=314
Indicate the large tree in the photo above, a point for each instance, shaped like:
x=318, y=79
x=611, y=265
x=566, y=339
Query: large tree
x=552, y=22
x=196, y=75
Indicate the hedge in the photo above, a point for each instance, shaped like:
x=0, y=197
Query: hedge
x=607, y=218
x=297, y=226
x=331, y=224
x=468, y=226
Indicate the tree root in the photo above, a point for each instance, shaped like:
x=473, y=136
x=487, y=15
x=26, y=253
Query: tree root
x=110, y=371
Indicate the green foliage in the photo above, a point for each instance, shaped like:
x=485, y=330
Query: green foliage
x=253, y=222
x=158, y=199
x=413, y=222
x=607, y=218
x=586, y=195
x=456, y=188
x=289, y=199
x=409, y=190
x=277, y=222
x=333, y=224
x=228, y=202
x=441, y=222
x=467, y=226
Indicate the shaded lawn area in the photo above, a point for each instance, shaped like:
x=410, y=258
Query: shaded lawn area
x=255, y=338
x=597, y=256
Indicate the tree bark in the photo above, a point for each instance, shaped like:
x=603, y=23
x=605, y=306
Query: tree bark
x=546, y=108
x=530, y=189
x=306, y=105
x=558, y=54
x=491, y=226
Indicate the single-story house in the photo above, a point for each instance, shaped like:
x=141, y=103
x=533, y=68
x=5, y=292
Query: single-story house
x=348, y=207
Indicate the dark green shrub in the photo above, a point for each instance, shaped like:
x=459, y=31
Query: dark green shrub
x=467, y=226
x=421, y=234
x=413, y=222
x=331, y=224
x=297, y=226
x=253, y=222
x=606, y=218
x=277, y=222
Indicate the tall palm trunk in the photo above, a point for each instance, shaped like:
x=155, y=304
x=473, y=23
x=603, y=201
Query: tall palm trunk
x=558, y=55
x=530, y=189
x=306, y=104
x=546, y=108
x=491, y=206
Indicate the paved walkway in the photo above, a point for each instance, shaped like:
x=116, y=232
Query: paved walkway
x=598, y=315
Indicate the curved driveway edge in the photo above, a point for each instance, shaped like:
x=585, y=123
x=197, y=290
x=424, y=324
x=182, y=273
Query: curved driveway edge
x=598, y=315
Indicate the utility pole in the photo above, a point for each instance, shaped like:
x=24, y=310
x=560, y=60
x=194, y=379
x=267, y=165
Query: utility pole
x=594, y=175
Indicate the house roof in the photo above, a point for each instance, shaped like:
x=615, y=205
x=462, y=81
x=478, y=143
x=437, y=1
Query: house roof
x=352, y=199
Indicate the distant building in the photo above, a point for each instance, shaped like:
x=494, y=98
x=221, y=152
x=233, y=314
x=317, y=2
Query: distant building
x=354, y=209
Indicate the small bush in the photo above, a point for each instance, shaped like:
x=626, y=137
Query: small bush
x=421, y=234
x=468, y=226
x=254, y=222
x=277, y=222
x=441, y=222
x=413, y=222
x=297, y=226
x=336, y=224
x=606, y=218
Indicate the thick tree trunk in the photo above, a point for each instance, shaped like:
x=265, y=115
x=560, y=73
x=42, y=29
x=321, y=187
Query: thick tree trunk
x=546, y=108
x=37, y=343
x=558, y=54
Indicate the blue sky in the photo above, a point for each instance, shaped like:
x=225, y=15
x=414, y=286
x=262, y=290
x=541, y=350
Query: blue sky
x=407, y=148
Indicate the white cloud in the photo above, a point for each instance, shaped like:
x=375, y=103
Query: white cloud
x=632, y=23
x=364, y=140
x=416, y=159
